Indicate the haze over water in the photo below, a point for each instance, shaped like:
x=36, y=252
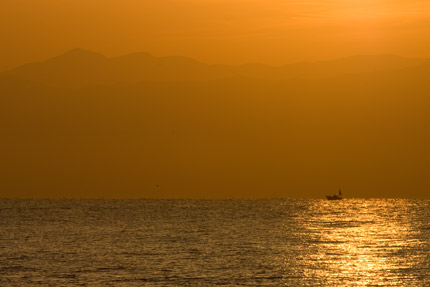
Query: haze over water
x=353, y=242
x=214, y=99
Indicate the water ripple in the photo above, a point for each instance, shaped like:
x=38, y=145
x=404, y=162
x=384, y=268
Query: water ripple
x=214, y=243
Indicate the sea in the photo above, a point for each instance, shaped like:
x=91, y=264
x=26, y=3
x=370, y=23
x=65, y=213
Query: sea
x=276, y=242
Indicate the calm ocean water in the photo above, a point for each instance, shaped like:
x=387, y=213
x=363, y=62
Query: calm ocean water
x=214, y=243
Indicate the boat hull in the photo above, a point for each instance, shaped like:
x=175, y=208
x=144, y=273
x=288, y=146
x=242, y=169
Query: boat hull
x=333, y=197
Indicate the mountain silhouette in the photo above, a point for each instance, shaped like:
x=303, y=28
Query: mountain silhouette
x=80, y=68
x=94, y=126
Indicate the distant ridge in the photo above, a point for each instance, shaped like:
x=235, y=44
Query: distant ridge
x=124, y=125
x=80, y=67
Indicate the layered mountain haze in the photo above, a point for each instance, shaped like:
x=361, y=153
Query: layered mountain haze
x=79, y=68
x=141, y=126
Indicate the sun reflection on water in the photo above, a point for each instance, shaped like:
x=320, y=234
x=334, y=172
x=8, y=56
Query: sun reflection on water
x=359, y=243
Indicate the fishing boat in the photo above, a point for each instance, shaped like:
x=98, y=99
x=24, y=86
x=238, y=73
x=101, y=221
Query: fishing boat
x=335, y=197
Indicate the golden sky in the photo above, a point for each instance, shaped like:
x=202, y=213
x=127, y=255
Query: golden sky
x=364, y=129
x=214, y=31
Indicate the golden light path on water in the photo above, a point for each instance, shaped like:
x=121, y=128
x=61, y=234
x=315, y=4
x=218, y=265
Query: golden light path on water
x=359, y=243
x=274, y=243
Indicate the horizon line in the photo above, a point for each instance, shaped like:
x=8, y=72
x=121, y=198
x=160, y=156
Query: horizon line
x=206, y=198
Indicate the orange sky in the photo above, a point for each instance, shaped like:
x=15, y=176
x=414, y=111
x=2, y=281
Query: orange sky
x=215, y=31
x=360, y=123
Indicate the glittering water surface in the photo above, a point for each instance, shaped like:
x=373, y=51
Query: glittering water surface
x=210, y=242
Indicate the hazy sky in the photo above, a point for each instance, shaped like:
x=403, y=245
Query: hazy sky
x=366, y=132
x=215, y=31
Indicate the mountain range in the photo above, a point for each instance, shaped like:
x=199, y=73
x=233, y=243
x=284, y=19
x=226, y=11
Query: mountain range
x=140, y=126
x=79, y=68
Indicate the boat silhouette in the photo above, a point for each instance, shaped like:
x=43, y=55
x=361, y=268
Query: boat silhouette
x=335, y=197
